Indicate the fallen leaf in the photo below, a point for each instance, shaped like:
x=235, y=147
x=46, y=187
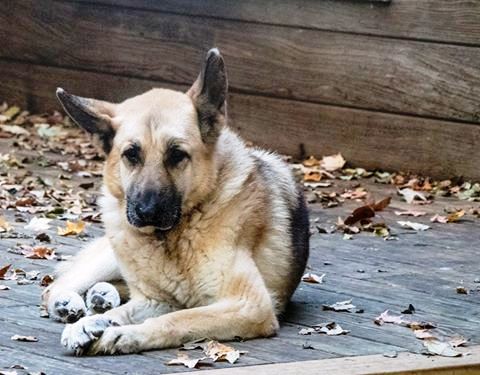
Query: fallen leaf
x=409, y=195
x=4, y=287
x=340, y=306
x=423, y=334
x=409, y=310
x=46, y=280
x=457, y=341
x=311, y=162
x=455, y=216
x=331, y=329
x=388, y=317
x=461, y=290
x=24, y=338
x=185, y=360
x=312, y=278
x=4, y=225
x=390, y=354
x=306, y=331
x=367, y=211
x=3, y=271
x=443, y=349
x=333, y=162
x=38, y=224
x=72, y=228
x=221, y=352
x=14, y=129
x=381, y=205
x=39, y=252
x=312, y=176
x=439, y=219
x=410, y=213
x=414, y=226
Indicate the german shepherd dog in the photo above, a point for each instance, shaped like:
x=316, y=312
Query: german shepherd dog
x=209, y=236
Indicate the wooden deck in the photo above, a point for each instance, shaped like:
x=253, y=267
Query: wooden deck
x=420, y=268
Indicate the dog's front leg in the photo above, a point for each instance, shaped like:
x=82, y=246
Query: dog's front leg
x=81, y=336
x=244, y=309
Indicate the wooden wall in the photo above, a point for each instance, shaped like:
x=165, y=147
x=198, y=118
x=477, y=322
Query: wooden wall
x=390, y=85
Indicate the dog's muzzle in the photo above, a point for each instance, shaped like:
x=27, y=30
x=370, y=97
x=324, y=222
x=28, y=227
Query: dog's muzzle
x=160, y=209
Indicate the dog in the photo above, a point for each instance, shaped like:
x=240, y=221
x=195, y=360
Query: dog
x=204, y=236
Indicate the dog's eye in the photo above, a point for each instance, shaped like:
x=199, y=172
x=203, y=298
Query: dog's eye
x=176, y=156
x=132, y=154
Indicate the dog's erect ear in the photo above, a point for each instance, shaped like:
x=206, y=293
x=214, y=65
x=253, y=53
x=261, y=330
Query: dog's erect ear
x=95, y=116
x=209, y=93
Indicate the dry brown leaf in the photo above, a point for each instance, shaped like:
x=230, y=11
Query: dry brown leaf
x=312, y=176
x=4, y=225
x=461, y=290
x=455, y=216
x=46, y=280
x=24, y=338
x=221, y=352
x=3, y=271
x=72, y=228
x=311, y=162
x=312, y=278
x=439, y=219
x=39, y=252
x=185, y=360
x=367, y=211
x=333, y=162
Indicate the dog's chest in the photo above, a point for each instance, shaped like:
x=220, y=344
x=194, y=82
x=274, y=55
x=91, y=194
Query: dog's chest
x=184, y=277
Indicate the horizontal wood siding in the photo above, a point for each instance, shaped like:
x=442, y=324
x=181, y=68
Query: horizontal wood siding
x=454, y=21
x=372, y=140
x=390, y=86
x=398, y=76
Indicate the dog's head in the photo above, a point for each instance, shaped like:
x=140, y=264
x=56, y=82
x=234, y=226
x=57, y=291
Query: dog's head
x=159, y=145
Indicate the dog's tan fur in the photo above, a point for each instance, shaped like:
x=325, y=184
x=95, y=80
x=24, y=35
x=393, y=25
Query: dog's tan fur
x=226, y=270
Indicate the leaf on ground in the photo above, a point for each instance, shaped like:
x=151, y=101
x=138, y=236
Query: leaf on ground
x=409, y=310
x=367, y=211
x=311, y=162
x=185, y=360
x=24, y=338
x=457, y=341
x=14, y=129
x=3, y=271
x=461, y=290
x=39, y=252
x=333, y=162
x=4, y=287
x=439, y=219
x=414, y=226
x=221, y=352
x=312, y=278
x=331, y=329
x=455, y=216
x=410, y=195
x=340, y=306
x=410, y=213
x=72, y=228
x=306, y=331
x=388, y=317
x=37, y=224
x=443, y=349
x=312, y=176
x=423, y=334
x=4, y=225
x=46, y=280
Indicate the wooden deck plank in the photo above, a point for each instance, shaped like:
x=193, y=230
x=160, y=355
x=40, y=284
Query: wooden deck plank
x=405, y=143
x=401, y=76
x=435, y=20
x=404, y=364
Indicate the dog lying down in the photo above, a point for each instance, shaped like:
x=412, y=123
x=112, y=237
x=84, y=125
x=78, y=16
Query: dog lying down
x=204, y=237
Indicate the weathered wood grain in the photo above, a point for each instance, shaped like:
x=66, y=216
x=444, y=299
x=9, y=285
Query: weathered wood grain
x=436, y=20
x=433, y=80
x=369, y=139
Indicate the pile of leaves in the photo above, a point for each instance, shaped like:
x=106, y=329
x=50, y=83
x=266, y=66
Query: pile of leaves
x=436, y=341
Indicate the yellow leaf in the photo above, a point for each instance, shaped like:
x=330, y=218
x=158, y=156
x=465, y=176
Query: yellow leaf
x=311, y=162
x=72, y=228
x=4, y=225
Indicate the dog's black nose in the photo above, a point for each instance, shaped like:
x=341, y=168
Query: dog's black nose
x=148, y=206
x=98, y=300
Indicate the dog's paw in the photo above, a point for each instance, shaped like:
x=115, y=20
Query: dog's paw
x=118, y=340
x=66, y=307
x=79, y=336
x=102, y=297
